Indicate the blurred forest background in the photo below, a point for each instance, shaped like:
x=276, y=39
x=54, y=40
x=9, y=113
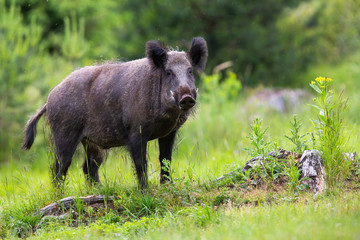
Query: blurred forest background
x=272, y=42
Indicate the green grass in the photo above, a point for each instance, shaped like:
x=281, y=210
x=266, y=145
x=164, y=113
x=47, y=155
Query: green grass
x=194, y=207
x=325, y=217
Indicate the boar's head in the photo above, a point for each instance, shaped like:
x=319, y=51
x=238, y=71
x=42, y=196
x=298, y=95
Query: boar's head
x=176, y=71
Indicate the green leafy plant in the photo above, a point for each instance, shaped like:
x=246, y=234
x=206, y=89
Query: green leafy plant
x=293, y=172
x=269, y=166
x=296, y=138
x=260, y=146
x=217, y=88
x=329, y=124
x=274, y=168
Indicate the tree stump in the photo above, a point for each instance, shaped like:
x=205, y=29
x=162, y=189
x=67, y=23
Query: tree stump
x=312, y=168
x=309, y=163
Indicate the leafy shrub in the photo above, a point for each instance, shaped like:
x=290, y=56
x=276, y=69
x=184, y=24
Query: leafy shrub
x=217, y=90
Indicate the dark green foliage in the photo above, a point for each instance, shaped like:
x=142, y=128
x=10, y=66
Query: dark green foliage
x=99, y=20
x=20, y=74
x=241, y=31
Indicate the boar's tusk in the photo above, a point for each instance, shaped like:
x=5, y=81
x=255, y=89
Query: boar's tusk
x=197, y=90
x=172, y=93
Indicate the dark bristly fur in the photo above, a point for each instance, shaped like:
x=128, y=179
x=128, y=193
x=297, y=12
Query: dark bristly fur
x=30, y=128
x=157, y=52
x=122, y=104
x=198, y=52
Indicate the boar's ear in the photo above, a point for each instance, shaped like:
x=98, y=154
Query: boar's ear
x=198, y=53
x=156, y=53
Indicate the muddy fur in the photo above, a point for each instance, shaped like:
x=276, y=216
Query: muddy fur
x=122, y=104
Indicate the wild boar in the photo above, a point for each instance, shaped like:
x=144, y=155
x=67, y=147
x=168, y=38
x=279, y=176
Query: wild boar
x=122, y=104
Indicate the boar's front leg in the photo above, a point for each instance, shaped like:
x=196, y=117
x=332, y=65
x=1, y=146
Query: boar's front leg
x=137, y=147
x=166, y=145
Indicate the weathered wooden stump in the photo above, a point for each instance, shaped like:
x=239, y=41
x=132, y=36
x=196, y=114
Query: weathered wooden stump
x=309, y=163
x=312, y=168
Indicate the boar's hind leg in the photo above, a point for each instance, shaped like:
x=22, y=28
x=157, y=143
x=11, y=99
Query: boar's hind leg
x=93, y=158
x=137, y=147
x=65, y=147
x=165, y=148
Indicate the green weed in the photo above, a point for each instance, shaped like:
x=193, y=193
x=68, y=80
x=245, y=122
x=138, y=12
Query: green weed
x=257, y=137
x=274, y=168
x=296, y=138
x=294, y=173
x=330, y=126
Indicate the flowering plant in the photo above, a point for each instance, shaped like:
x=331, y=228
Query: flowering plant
x=330, y=127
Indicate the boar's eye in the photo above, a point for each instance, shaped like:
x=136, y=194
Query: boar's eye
x=190, y=71
x=169, y=73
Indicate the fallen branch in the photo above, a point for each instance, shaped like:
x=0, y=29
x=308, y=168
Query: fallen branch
x=66, y=203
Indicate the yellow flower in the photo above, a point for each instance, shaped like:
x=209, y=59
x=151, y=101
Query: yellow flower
x=314, y=99
x=319, y=79
x=313, y=82
x=323, y=79
x=328, y=79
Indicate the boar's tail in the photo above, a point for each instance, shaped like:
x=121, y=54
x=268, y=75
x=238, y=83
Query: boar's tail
x=30, y=129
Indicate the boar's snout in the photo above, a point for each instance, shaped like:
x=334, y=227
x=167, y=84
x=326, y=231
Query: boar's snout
x=187, y=102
